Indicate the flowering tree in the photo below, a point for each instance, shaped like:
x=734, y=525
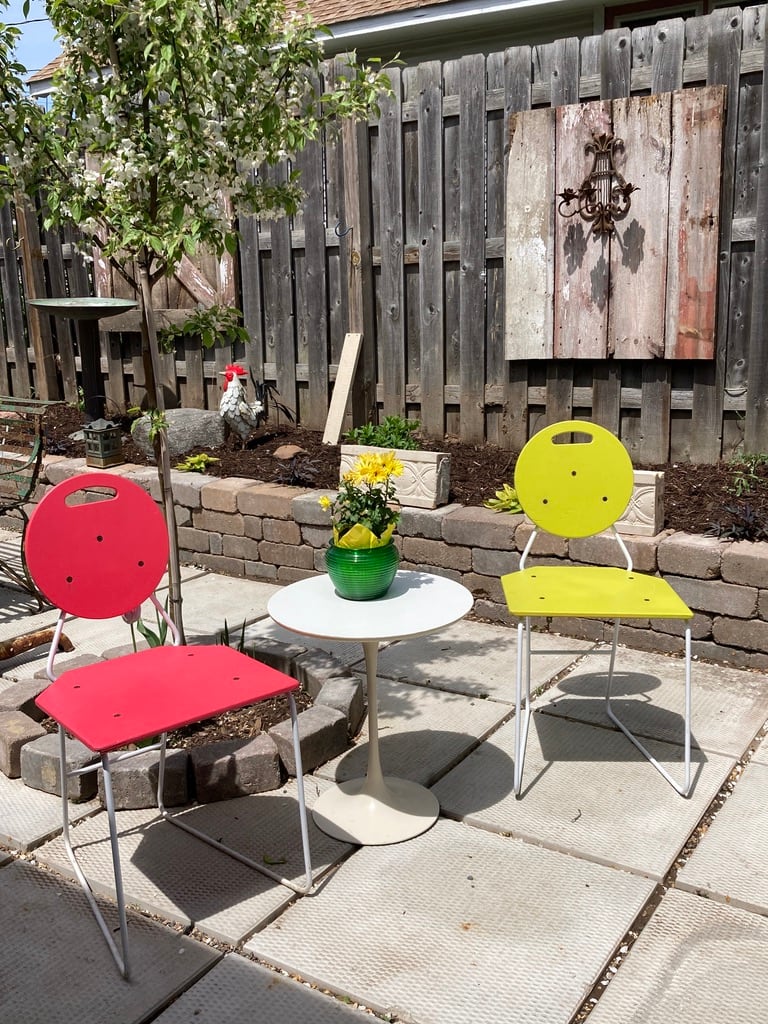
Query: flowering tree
x=163, y=113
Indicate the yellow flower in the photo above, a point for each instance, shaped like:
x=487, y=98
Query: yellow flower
x=325, y=502
x=363, y=514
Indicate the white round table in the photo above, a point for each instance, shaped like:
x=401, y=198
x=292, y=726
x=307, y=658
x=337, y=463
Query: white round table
x=377, y=809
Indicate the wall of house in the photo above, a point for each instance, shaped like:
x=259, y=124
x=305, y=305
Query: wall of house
x=277, y=534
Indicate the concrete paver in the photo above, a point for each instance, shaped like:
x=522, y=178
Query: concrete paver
x=238, y=990
x=56, y=967
x=760, y=755
x=696, y=962
x=511, y=913
x=29, y=817
x=475, y=658
x=442, y=929
x=586, y=791
x=726, y=867
x=210, y=600
x=422, y=733
x=170, y=873
x=729, y=706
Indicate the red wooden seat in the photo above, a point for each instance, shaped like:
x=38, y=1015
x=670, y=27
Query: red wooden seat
x=97, y=547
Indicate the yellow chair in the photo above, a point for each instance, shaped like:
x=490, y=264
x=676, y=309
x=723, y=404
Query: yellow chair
x=577, y=488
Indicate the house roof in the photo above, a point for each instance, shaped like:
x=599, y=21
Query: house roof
x=45, y=72
x=331, y=12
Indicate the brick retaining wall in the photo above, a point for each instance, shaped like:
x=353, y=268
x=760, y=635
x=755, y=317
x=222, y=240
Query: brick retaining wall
x=277, y=534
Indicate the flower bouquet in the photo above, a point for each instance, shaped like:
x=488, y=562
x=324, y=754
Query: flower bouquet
x=363, y=514
x=362, y=560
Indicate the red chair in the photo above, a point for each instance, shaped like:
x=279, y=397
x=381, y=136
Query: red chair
x=99, y=555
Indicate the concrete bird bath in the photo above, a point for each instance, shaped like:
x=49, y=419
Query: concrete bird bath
x=88, y=310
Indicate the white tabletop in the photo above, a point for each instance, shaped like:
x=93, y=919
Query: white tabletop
x=417, y=603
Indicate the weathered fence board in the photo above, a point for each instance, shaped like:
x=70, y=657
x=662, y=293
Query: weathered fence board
x=639, y=249
x=431, y=312
x=582, y=260
x=756, y=370
x=391, y=319
x=530, y=237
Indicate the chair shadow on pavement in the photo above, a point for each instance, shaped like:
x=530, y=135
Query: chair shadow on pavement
x=580, y=702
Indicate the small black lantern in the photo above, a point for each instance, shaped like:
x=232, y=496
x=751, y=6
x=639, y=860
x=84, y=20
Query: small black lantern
x=103, y=444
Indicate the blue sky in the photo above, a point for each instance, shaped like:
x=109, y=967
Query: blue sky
x=37, y=45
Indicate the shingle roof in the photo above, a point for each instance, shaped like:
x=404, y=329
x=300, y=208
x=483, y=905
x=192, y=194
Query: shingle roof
x=331, y=12
x=325, y=12
x=45, y=72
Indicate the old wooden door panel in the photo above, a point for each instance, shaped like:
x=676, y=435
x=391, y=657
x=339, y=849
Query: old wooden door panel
x=530, y=235
x=581, y=258
x=650, y=290
x=639, y=246
x=694, y=222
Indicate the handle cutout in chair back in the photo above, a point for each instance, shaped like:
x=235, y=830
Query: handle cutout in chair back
x=570, y=487
x=97, y=545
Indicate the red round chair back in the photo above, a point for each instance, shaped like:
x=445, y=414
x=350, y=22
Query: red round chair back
x=96, y=554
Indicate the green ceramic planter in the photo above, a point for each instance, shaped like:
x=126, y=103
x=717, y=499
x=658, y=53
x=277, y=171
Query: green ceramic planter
x=362, y=574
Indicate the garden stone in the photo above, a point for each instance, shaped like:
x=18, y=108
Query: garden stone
x=345, y=693
x=40, y=767
x=21, y=696
x=233, y=768
x=16, y=729
x=188, y=429
x=313, y=668
x=322, y=734
x=134, y=781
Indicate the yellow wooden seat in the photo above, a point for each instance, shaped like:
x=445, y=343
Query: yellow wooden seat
x=577, y=486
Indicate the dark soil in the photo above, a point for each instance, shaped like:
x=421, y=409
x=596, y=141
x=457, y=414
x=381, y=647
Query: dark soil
x=697, y=498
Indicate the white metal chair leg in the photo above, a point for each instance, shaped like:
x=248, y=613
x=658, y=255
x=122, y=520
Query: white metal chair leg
x=522, y=718
x=685, y=788
x=178, y=821
x=120, y=958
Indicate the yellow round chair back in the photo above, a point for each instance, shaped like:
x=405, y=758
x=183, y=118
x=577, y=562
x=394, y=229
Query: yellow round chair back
x=574, y=488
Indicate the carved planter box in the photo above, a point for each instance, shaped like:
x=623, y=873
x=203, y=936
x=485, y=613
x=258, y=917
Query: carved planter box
x=644, y=515
x=426, y=478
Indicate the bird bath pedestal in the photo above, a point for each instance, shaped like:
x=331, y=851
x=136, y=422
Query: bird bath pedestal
x=87, y=310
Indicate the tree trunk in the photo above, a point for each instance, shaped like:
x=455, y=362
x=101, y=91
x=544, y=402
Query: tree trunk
x=156, y=401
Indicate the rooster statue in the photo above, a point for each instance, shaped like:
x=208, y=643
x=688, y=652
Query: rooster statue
x=240, y=415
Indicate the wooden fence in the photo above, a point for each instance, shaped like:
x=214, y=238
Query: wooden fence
x=402, y=237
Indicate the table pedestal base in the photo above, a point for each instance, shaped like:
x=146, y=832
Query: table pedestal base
x=357, y=812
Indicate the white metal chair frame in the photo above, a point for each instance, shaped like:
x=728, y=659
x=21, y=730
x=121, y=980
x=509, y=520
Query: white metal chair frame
x=78, y=576
x=523, y=701
x=106, y=762
x=579, y=489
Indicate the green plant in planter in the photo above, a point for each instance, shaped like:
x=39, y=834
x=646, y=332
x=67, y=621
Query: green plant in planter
x=392, y=432
x=226, y=640
x=745, y=473
x=505, y=501
x=196, y=463
x=154, y=639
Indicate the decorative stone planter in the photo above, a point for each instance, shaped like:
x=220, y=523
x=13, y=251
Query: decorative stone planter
x=426, y=478
x=644, y=515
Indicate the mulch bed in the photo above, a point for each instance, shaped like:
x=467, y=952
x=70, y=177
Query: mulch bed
x=697, y=498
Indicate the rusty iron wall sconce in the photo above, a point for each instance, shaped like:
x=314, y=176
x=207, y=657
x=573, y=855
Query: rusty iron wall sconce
x=604, y=196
